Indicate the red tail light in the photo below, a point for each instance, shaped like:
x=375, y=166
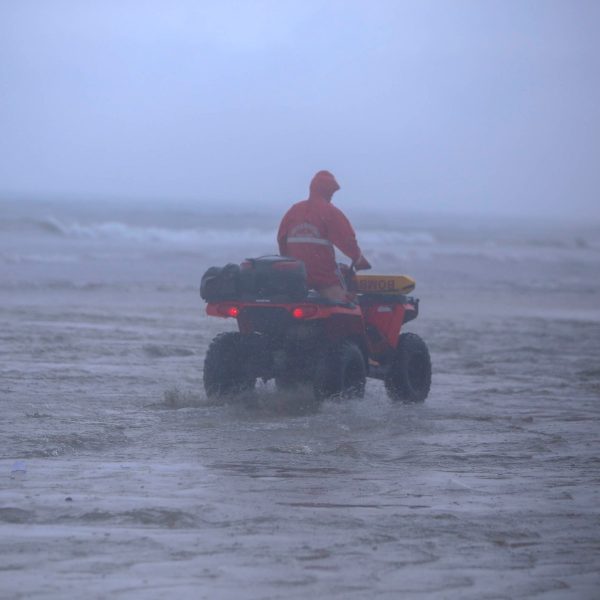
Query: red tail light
x=229, y=310
x=304, y=312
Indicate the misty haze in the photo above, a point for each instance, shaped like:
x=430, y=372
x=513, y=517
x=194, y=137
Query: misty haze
x=142, y=143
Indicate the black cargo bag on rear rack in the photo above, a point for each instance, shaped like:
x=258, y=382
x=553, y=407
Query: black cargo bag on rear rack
x=278, y=278
x=221, y=283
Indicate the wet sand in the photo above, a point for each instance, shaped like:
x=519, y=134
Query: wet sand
x=137, y=487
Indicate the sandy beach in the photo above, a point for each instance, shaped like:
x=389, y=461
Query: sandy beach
x=119, y=478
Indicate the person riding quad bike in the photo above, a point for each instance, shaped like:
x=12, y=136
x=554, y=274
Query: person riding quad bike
x=303, y=324
x=309, y=231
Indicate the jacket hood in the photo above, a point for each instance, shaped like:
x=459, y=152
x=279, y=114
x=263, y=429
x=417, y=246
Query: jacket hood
x=323, y=185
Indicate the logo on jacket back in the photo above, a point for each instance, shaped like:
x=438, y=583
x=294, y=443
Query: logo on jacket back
x=305, y=230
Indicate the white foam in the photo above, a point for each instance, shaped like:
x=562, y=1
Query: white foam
x=118, y=231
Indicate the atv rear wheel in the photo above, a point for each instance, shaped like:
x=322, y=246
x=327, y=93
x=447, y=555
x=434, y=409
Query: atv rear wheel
x=224, y=366
x=340, y=372
x=409, y=375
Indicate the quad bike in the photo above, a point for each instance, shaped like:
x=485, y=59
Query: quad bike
x=297, y=337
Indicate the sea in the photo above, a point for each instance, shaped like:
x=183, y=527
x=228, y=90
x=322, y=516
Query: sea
x=120, y=479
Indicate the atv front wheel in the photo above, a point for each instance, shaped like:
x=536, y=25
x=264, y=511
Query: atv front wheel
x=224, y=364
x=340, y=372
x=409, y=375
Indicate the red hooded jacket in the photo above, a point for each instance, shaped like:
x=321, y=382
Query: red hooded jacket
x=311, y=228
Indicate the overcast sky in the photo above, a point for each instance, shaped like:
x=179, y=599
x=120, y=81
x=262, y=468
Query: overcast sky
x=480, y=106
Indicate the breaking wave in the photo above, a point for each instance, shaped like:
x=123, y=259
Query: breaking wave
x=118, y=231
x=115, y=230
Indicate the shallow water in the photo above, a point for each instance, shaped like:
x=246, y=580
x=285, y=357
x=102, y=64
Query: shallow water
x=137, y=486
